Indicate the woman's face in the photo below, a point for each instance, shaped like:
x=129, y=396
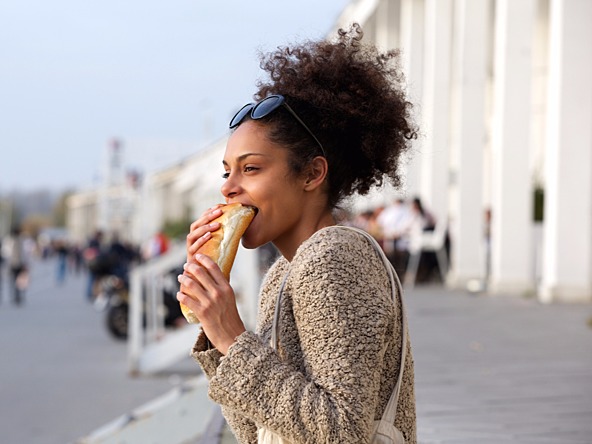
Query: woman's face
x=258, y=174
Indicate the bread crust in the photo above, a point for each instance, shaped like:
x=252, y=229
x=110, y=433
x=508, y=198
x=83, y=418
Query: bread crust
x=223, y=245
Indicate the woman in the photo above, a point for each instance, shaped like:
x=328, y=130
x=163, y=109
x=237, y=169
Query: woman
x=331, y=121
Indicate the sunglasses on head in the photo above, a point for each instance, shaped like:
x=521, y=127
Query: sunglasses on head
x=264, y=108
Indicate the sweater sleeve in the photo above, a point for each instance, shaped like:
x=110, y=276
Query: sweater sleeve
x=340, y=303
x=208, y=359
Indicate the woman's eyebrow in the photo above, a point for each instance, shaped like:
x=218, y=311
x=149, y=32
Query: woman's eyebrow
x=243, y=157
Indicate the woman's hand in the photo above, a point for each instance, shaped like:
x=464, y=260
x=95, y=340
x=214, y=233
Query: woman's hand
x=201, y=231
x=205, y=290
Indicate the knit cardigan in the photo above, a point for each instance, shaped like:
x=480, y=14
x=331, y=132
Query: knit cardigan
x=338, y=356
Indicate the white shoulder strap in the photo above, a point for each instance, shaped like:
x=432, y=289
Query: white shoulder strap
x=396, y=290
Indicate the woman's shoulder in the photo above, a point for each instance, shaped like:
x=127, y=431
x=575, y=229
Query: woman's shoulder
x=332, y=236
x=336, y=246
x=275, y=271
x=341, y=268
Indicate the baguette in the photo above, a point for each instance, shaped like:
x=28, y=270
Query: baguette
x=223, y=244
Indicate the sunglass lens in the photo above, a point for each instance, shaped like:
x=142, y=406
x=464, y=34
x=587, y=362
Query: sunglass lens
x=266, y=106
x=240, y=115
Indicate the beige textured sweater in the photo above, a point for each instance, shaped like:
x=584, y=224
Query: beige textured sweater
x=329, y=379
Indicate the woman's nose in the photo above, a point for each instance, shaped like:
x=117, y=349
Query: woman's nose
x=231, y=187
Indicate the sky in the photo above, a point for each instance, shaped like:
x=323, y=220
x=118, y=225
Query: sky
x=162, y=77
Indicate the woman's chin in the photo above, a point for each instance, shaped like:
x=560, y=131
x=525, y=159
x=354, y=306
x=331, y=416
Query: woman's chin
x=249, y=239
x=249, y=242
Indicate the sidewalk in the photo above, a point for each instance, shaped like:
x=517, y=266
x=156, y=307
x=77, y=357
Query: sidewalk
x=62, y=375
x=496, y=369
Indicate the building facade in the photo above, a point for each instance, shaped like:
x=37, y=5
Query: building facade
x=502, y=94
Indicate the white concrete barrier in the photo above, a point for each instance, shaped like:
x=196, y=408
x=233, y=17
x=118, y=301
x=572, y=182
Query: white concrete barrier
x=177, y=417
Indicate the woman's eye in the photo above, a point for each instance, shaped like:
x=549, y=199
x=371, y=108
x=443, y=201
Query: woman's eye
x=246, y=169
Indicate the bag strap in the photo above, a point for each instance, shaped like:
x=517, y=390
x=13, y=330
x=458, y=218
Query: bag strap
x=396, y=291
x=276, y=314
x=390, y=411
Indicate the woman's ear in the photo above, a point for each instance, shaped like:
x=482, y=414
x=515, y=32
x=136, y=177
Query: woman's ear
x=316, y=173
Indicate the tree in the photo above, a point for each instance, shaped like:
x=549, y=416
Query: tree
x=60, y=209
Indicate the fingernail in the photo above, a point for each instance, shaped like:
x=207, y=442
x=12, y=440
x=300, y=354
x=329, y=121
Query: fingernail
x=185, y=266
x=180, y=278
x=205, y=236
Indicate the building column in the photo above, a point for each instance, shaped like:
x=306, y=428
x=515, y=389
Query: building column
x=567, y=253
x=388, y=21
x=512, y=184
x=436, y=107
x=471, y=52
x=412, y=54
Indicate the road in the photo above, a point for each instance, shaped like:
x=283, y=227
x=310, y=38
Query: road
x=62, y=375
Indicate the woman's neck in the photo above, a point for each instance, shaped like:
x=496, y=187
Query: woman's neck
x=288, y=246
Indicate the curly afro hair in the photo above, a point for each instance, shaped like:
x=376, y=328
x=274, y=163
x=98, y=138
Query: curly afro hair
x=352, y=98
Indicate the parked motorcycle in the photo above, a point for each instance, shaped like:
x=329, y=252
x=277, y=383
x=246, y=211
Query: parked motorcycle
x=113, y=299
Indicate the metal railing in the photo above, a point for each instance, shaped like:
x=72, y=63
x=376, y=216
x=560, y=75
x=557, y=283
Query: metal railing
x=151, y=346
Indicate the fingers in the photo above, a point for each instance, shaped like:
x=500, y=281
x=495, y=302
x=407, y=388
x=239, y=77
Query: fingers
x=205, y=290
x=205, y=271
x=203, y=286
x=191, y=293
x=197, y=244
x=200, y=228
x=208, y=215
x=193, y=304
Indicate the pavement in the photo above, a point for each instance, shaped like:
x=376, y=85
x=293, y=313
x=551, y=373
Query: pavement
x=489, y=369
x=61, y=374
x=495, y=369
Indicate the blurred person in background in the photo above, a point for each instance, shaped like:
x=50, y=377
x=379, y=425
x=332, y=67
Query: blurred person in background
x=156, y=246
x=76, y=258
x=91, y=254
x=15, y=251
x=413, y=219
x=395, y=223
x=61, y=250
x=422, y=218
x=120, y=256
x=392, y=223
x=373, y=226
x=360, y=220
